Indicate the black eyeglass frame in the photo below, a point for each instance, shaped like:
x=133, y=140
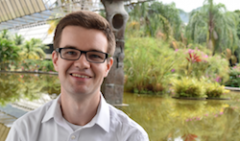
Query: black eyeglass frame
x=82, y=52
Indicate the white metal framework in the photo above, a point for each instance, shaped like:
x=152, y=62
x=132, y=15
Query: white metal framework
x=18, y=14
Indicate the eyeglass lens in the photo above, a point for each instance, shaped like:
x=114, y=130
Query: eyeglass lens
x=91, y=56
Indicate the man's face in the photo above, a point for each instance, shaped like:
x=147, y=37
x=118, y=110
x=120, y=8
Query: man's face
x=81, y=77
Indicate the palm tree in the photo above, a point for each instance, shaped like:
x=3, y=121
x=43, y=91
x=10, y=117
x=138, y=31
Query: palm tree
x=34, y=49
x=18, y=39
x=5, y=34
x=153, y=17
x=8, y=52
x=213, y=25
x=171, y=14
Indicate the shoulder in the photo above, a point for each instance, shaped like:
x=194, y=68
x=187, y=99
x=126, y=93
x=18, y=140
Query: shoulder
x=35, y=115
x=29, y=123
x=130, y=130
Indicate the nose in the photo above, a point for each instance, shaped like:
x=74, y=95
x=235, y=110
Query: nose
x=82, y=62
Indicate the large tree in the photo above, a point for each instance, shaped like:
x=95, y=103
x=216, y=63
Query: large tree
x=153, y=17
x=8, y=50
x=33, y=49
x=214, y=25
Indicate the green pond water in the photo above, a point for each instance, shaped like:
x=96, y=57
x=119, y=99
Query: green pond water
x=164, y=118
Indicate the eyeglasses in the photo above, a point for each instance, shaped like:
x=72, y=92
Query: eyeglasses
x=74, y=54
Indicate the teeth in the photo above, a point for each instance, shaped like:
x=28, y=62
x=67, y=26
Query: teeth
x=80, y=76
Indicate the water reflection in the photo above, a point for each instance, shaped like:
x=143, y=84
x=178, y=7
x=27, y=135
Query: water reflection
x=26, y=86
x=167, y=119
x=164, y=119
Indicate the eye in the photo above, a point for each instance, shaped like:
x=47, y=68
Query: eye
x=94, y=56
x=71, y=53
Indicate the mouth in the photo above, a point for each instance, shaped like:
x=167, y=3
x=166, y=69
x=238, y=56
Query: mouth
x=79, y=75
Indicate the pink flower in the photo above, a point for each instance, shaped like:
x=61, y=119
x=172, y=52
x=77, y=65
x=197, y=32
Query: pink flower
x=220, y=113
x=197, y=118
x=190, y=51
x=218, y=79
x=176, y=50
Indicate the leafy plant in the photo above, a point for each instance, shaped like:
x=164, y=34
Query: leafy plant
x=215, y=90
x=196, y=63
x=33, y=49
x=214, y=26
x=188, y=87
x=148, y=64
x=234, y=77
x=8, y=51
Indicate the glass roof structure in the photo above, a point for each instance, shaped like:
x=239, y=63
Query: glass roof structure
x=18, y=14
x=21, y=13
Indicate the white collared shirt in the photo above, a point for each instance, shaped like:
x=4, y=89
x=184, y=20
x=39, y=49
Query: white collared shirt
x=47, y=124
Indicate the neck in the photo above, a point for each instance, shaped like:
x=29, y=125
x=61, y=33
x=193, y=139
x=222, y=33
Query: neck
x=79, y=112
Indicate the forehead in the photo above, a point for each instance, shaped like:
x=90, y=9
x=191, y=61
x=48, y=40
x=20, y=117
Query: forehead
x=83, y=38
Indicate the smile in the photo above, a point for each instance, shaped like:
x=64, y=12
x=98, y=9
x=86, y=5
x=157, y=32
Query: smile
x=80, y=76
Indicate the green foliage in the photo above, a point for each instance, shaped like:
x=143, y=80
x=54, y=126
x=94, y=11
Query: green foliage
x=234, y=77
x=33, y=49
x=46, y=65
x=196, y=63
x=238, y=27
x=150, y=19
x=218, y=69
x=214, y=26
x=17, y=55
x=18, y=39
x=215, y=90
x=188, y=87
x=147, y=65
x=8, y=51
x=192, y=87
x=27, y=86
x=171, y=13
x=5, y=34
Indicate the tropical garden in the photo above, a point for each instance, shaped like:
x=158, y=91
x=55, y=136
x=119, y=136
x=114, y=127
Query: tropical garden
x=18, y=54
x=165, y=57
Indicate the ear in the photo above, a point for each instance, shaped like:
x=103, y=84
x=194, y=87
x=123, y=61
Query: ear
x=109, y=65
x=55, y=60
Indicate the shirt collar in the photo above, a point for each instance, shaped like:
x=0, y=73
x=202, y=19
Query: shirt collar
x=53, y=111
x=102, y=116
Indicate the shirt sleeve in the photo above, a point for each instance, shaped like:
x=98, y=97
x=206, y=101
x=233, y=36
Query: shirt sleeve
x=13, y=134
x=138, y=136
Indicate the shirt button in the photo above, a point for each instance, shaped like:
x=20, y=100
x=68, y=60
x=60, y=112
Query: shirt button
x=73, y=137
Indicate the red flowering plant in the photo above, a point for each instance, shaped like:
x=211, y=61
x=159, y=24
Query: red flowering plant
x=196, y=63
x=193, y=57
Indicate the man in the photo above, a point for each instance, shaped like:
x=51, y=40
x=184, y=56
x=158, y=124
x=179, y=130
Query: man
x=84, y=44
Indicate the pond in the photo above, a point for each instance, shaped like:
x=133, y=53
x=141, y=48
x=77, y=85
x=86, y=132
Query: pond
x=164, y=118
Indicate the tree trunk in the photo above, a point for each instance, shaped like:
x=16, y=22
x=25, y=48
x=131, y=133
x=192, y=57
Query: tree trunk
x=113, y=85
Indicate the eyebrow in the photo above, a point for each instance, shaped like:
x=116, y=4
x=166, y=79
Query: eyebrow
x=72, y=47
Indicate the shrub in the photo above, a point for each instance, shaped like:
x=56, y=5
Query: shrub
x=215, y=90
x=234, y=77
x=196, y=63
x=188, y=87
x=148, y=63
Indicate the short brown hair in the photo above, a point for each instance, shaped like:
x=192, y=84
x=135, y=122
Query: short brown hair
x=89, y=20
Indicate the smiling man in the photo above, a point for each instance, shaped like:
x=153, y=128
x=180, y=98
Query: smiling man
x=84, y=43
